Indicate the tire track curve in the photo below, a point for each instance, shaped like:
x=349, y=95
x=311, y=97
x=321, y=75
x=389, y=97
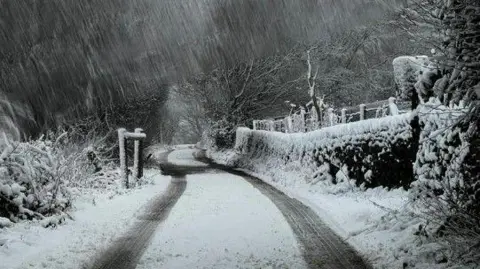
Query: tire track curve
x=322, y=248
x=127, y=250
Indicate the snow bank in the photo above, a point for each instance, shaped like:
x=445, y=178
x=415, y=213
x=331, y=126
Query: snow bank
x=369, y=153
x=95, y=224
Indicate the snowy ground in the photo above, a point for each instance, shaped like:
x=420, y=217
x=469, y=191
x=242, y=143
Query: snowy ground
x=221, y=221
x=355, y=215
x=375, y=221
x=96, y=224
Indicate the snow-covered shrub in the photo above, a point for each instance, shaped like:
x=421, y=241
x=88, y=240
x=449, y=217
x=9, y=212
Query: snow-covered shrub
x=373, y=153
x=221, y=135
x=36, y=176
x=447, y=167
x=406, y=70
x=31, y=182
x=415, y=76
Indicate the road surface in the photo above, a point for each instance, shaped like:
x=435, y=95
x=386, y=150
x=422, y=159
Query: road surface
x=214, y=217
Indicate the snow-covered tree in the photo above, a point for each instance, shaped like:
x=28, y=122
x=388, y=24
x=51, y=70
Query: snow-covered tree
x=447, y=163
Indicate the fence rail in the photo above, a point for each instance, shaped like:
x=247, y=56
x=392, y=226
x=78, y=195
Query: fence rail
x=303, y=121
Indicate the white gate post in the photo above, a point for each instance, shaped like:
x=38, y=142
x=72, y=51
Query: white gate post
x=255, y=122
x=137, y=155
x=330, y=116
x=344, y=115
x=123, y=156
x=138, y=136
x=362, y=111
x=314, y=120
x=392, y=106
x=290, y=124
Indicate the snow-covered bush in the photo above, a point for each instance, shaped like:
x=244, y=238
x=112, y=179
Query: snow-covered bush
x=414, y=77
x=374, y=152
x=447, y=189
x=221, y=135
x=36, y=176
x=406, y=70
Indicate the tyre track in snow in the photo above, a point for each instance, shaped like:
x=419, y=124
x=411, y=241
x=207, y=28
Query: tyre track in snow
x=322, y=248
x=128, y=249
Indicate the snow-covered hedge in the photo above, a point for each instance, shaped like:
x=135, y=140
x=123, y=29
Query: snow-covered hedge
x=448, y=171
x=373, y=152
x=443, y=149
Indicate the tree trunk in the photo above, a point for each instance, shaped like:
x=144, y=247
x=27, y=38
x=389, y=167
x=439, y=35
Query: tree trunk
x=317, y=110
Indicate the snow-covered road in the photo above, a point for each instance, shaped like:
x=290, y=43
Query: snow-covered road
x=219, y=221
x=222, y=221
x=213, y=219
x=227, y=219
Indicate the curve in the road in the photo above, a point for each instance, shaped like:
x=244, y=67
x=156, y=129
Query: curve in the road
x=128, y=249
x=322, y=247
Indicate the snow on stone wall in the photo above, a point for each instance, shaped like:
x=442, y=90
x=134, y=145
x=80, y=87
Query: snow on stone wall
x=373, y=152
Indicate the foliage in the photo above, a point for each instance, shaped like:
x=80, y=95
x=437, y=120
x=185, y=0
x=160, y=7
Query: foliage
x=447, y=189
x=372, y=153
x=35, y=176
x=352, y=67
x=447, y=163
x=221, y=135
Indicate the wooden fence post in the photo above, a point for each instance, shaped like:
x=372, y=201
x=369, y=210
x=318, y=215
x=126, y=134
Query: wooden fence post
x=138, y=156
x=330, y=116
x=344, y=115
x=314, y=120
x=123, y=156
x=289, y=124
x=362, y=111
x=377, y=112
x=303, y=125
x=392, y=106
x=271, y=125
